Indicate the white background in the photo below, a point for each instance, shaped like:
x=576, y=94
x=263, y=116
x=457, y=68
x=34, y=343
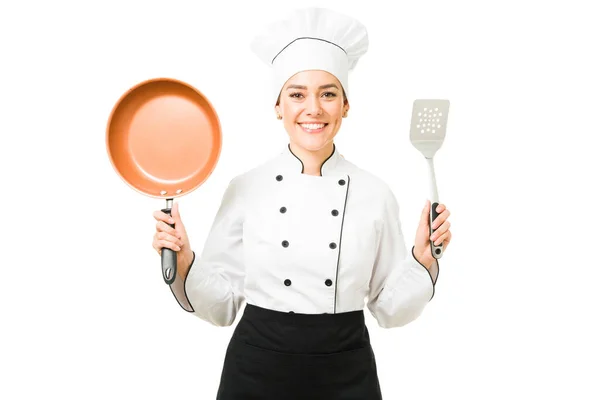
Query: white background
x=85, y=313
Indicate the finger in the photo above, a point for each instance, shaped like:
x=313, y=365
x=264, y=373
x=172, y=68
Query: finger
x=162, y=227
x=440, y=219
x=167, y=244
x=425, y=212
x=175, y=211
x=159, y=244
x=441, y=230
x=440, y=207
x=444, y=236
x=447, y=239
x=170, y=238
x=161, y=216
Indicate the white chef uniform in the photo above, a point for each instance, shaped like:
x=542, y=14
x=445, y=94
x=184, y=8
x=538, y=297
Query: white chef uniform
x=288, y=241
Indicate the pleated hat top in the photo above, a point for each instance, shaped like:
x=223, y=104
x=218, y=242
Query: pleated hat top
x=311, y=39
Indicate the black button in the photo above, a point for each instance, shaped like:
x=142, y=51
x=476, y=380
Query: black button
x=285, y=243
x=282, y=210
x=291, y=312
x=279, y=178
x=334, y=213
x=328, y=282
x=332, y=245
x=287, y=282
x=342, y=182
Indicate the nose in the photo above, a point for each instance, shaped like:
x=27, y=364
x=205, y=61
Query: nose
x=314, y=106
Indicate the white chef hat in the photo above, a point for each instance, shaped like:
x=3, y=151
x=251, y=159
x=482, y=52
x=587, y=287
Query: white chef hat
x=311, y=39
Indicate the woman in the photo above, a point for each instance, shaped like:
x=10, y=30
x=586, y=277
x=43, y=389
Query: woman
x=305, y=237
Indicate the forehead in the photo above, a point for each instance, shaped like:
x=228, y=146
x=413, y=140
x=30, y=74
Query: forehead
x=313, y=79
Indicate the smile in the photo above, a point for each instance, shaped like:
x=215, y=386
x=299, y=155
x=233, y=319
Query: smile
x=312, y=128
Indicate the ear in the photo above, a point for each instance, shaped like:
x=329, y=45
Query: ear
x=277, y=110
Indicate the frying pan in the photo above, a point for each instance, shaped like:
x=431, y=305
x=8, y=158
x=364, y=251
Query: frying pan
x=163, y=139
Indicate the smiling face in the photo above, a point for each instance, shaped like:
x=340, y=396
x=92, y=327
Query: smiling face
x=312, y=105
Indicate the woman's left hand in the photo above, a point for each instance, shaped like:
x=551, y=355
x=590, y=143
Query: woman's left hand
x=441, y=235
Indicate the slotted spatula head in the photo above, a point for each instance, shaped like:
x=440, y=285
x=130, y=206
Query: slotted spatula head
x=428, y=125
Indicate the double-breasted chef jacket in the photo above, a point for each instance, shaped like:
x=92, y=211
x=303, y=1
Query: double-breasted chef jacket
x=291, y=242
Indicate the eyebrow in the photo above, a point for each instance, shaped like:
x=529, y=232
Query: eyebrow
x=329, y=85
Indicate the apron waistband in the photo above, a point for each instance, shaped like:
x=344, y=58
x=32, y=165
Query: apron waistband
x=302, y=333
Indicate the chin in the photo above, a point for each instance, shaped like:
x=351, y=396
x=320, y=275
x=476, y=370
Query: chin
x=311, y=144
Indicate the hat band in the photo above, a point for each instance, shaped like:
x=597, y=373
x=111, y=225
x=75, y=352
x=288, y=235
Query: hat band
x=307, y=37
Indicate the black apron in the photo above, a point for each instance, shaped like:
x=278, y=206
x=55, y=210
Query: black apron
x=275, y=355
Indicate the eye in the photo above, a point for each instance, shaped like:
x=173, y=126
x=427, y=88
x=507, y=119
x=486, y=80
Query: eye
x=329, y=94
x=295, y=95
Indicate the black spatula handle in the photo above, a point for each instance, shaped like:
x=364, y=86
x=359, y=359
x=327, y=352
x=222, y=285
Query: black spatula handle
x=168, y=258
x=436, y=251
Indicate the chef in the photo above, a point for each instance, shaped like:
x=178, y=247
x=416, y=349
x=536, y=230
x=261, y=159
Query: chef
x=306, y=238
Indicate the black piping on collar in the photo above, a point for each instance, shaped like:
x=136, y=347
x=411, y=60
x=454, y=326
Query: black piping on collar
x=321, y=168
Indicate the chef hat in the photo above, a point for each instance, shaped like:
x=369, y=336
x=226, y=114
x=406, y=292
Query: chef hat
x=311, y=39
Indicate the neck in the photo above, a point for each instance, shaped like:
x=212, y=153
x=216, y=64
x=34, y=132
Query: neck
x=312, y=160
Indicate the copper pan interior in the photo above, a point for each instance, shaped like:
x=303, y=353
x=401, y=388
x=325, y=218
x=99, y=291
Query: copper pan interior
x=164, y=138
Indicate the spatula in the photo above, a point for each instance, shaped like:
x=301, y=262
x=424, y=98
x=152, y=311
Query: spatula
x=427, y=132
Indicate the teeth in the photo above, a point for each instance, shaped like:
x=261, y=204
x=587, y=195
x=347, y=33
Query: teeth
x=312, y=126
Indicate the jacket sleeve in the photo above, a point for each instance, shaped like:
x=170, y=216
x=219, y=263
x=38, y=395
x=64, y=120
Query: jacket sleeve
x=400, y=286
x=213, y=288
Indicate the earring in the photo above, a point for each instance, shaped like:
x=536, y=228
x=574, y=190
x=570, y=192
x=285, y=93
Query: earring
x=345, y=114
x=279, y=116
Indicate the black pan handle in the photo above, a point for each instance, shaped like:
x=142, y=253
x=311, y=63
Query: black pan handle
x=168, y=257
x=436, y=251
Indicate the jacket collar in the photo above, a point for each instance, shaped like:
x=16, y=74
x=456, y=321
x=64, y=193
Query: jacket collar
x=292, y=164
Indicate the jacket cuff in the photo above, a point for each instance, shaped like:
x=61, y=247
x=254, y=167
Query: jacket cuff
x=178, y=289
x=433, y=271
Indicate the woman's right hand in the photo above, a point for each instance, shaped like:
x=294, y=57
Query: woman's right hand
x=175, y=238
